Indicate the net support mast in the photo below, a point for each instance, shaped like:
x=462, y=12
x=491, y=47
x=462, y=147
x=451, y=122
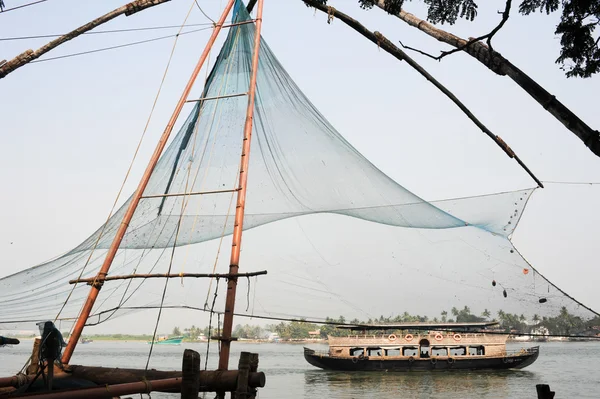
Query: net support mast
x=241, y=202
x=95, y=290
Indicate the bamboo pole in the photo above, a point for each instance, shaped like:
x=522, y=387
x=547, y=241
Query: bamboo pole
x=100, y=280
x=495, y=62
x=241, y=202
x=30, y=55
x=210, y=380
x=87, y=309
x=389, y=47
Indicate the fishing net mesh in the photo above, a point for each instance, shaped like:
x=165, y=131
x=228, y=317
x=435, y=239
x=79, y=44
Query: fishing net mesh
x=348, y=239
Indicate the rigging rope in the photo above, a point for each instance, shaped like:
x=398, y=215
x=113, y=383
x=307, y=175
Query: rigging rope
x=212, y=308
x=165, y=73
x=99, y=32
x=210, y=155
x=22, y=6
x=336, y=323
x=117, y=46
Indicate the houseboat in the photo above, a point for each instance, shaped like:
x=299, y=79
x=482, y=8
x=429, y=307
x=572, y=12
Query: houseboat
x=421, y=347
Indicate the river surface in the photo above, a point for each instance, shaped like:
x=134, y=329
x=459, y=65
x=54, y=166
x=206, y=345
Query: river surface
x=572, y=369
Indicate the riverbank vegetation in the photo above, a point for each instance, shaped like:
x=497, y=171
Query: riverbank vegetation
x=564, y=324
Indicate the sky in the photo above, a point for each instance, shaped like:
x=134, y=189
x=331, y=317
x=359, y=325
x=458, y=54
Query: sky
x=70, y=126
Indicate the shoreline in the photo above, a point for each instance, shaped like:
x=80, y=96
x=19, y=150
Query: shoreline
x=300, y=341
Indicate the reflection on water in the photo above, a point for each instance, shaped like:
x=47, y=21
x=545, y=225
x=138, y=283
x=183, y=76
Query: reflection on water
x=493, y=384
x=571, y=369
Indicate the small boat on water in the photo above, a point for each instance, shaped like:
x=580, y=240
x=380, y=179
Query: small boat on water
x=421, y=347
x=168, y=341
x=85, y=341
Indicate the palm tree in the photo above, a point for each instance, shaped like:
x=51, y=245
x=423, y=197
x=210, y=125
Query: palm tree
x=444, y=316
x=536, y=318
x=454, y=311
x=486, y=313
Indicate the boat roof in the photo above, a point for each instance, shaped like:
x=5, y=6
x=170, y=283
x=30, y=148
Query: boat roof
x=418, y=326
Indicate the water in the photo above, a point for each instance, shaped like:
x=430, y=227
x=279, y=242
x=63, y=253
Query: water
x=570, y=368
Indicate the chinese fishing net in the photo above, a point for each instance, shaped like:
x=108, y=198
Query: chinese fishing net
x=347, y=240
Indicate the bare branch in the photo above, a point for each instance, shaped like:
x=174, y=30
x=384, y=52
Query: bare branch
x=505, y=16
x=385, y=44
x=487, y=36
x=418, y=51
x=30, y=55
x=503, y=67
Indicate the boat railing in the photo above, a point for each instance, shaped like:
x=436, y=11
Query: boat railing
x=319, y=353
x=522, y=351
x=430, y=334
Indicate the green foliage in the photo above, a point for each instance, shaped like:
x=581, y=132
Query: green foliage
x=176, y=332
x=577, y=26
x=295, y=329
x=579, y=54
x=119, y=337
x=193, y=332
x=248, y=331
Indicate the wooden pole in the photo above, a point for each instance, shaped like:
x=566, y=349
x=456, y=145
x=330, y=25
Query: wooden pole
x=241, y=391
x=98, y=280
x=87, y=309
x=111, y=391
x=30, y=55
x=210, y=380
x=544, y=392
x=190, y=386
x=34, y=366
x=241, y=202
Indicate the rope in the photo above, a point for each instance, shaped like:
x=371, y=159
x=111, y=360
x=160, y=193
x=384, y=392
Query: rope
x=21, y=6
x=203, y=13
x=184, y=205
x=210, y=325
x=164, y=293
x=304, y=319
x=211, y=128
x=116, y=47
x=129, y=169
x=571, y=183
x=100, y=32
x=330, y=14
x=248, y=295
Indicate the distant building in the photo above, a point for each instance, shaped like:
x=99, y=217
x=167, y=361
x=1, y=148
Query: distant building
x=314, y=334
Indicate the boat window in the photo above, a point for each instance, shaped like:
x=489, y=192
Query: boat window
x=460, y=351
x=357, y=351
x=410, y=351
x=374, y=351
x=392, y=352
x=438, y=351
x=476, y=350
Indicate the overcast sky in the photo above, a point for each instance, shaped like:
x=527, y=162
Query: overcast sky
x=69, y=126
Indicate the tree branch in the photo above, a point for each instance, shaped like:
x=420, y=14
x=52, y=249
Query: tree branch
x=30, y=55
x=501, y=66
x=487, y=36
x=418, y=51
x=388, y=46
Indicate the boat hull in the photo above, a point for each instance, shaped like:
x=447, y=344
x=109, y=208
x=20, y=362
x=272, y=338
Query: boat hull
x=327, y=362
x=170, y=341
